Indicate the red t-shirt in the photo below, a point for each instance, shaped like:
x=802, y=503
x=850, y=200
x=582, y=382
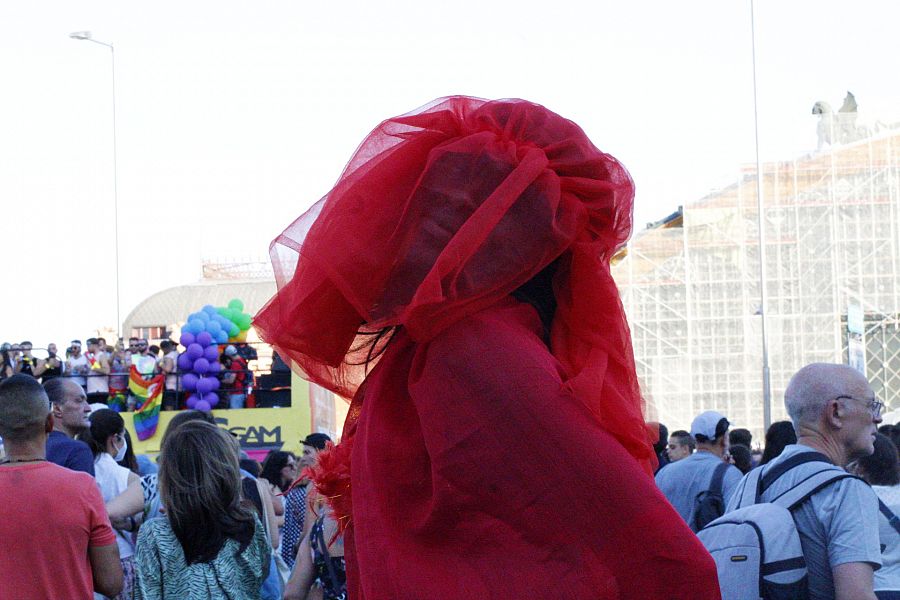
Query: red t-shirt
x=239, y=368
x=51, y=516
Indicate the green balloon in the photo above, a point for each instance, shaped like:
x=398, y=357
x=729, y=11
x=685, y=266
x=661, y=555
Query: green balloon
x=221, y=310
x=236, y=304
x=233, y=330
x=244, y=321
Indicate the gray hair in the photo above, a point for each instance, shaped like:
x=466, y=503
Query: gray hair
x=23, y=408
x=56, y=389
x=813, y=386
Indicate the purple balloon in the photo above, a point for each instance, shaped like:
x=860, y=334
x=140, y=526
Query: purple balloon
x=211, y=353
x=192, y=401
x=215, y=382
x=189, y=382
x=187, y=338
x=202, y=405
x=184, y=362
x=201, y=366
x=204, y=339
x=194, y=351
x=211, y=399
x=214, y=367
x=205, y=385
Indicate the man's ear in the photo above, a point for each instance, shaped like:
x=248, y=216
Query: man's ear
x=834, y=413
x=48, y=424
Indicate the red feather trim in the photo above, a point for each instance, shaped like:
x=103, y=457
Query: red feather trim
x=331, y=476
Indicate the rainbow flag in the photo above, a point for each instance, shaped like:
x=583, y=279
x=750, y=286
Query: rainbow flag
x=149, y=400
x=117, y=400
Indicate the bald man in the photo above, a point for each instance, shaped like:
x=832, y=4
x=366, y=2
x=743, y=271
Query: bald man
x=835, y=414
x=57, y=541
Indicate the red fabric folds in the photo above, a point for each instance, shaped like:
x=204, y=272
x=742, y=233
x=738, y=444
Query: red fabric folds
x=477, y=474
x=441, y=213
x=485, y=462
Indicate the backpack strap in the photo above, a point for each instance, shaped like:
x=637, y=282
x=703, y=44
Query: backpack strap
x=750, y=491
x=715, y=484
x=813, y=484
x=893, y=519
x=784, y=466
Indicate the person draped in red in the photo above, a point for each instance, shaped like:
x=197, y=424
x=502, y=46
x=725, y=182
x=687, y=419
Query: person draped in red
x=455, y=283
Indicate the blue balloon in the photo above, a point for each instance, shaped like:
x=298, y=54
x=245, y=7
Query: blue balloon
x=196, y=325
x=184, y=362
x=189, y=382
x=213, y=327
x=211, y=353
x=205, y=385
x=221, y=336
x=209, y=309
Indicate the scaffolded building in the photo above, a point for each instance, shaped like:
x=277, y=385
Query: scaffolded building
x=691, y=284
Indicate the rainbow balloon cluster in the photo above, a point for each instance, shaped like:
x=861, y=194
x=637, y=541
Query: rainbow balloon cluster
x=224, y=323
x=201, y=336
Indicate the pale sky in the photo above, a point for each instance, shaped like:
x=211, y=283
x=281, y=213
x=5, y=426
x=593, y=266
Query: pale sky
x=233, y=117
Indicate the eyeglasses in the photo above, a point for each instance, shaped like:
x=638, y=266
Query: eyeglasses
x=875, y=407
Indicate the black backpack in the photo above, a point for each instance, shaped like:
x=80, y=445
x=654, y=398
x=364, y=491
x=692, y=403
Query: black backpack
x=709, y=504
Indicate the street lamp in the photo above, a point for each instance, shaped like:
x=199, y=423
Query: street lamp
x=760, y=217
x=86, y=36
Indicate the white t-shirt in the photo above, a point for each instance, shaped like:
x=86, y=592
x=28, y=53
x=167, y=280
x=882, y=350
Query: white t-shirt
x=112, y=480
x=172, y=380
x=77, y=365
x=97, y=382
x=887, y=578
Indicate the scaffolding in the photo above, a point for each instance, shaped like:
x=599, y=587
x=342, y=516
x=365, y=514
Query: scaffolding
x=690, y=284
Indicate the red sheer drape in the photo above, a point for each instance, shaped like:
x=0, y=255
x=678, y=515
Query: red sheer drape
x=441, y=213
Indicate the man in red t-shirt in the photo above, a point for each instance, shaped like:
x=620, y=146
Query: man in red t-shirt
x=235, y=378
x=57, y=540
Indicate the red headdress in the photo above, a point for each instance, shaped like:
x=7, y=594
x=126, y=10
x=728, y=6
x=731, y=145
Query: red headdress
x=439, y=214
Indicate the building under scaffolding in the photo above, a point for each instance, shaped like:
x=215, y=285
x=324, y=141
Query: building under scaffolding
x=690, y=284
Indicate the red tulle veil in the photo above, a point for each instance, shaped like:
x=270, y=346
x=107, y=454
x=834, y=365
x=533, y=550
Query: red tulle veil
x=441, y=213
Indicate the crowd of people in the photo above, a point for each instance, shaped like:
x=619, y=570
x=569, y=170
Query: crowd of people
x=455, y=284
x=848, y=526
x=102, y=370
x=203, y=521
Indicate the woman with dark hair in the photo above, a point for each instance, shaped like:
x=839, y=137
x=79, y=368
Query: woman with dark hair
x=208, y=544
x=882, y=471
x=779, y=435
x=279, y=469
x=107, y=441
x=129, y=461
x=455, y=283
x=741, y=458
x=142, y=497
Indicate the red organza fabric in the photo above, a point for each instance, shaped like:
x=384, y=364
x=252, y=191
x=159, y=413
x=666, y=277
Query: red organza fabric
x=442, y=213
x=477, y=461
x=477, y=474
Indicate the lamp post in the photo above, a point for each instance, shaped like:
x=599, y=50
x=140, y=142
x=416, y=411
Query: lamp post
x=760, y=209
x=86, y=36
